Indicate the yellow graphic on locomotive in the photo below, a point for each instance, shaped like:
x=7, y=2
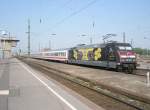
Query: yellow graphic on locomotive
x=87, y=54
x=75, y=54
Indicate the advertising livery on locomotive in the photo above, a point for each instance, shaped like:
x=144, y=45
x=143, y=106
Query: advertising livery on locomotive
x=119, y=56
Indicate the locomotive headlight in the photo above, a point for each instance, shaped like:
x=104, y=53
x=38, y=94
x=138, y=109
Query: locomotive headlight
x=129, y=59
x=133, y=59
x=123, y=59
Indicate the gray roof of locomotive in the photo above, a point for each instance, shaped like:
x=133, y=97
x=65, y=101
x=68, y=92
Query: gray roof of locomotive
x=90, y=46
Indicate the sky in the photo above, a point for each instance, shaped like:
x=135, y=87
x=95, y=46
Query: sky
x=70, y=19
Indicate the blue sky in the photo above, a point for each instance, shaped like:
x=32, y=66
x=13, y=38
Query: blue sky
x=110, y=16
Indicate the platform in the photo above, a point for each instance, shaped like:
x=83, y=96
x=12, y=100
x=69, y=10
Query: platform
x=4, y=84
x=27, y=89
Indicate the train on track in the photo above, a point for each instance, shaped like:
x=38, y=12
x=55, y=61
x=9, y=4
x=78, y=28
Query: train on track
x=119, y=56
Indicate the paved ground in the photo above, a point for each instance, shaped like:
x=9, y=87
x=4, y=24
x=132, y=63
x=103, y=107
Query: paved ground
x=4, y=84
x=143, y=65
x=126, y=82
x=29, y=90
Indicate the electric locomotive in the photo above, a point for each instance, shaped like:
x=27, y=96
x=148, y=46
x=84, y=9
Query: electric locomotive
x=119, y=56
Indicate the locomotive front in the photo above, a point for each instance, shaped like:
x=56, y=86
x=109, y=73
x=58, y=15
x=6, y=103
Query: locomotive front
x=127, y=57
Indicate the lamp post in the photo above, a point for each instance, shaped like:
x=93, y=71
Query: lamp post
x=50, y=41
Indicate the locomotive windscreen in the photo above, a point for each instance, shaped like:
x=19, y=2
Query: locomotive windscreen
x=124, y=46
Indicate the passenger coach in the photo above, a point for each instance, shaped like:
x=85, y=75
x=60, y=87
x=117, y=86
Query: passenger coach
x=56, y=55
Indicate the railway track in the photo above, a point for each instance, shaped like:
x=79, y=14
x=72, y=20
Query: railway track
x=100, y=98
x=141, y=72
x=138, y=72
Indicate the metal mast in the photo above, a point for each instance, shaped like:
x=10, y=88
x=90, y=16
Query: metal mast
x=28, y=37
x=124, y=37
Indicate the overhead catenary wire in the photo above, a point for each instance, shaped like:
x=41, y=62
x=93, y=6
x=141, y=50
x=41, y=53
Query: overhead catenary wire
x=66, y=3
x=61, y=7
x=73, y=14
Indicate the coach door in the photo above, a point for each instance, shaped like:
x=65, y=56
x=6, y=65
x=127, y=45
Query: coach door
x=111, y=58
x=105, y=56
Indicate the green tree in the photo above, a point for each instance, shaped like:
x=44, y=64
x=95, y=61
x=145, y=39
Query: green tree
x=141, y=51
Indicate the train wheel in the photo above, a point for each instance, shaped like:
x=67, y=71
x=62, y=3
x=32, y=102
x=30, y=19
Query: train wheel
x=119, y=69
x=65, y=61
x=130, y=69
